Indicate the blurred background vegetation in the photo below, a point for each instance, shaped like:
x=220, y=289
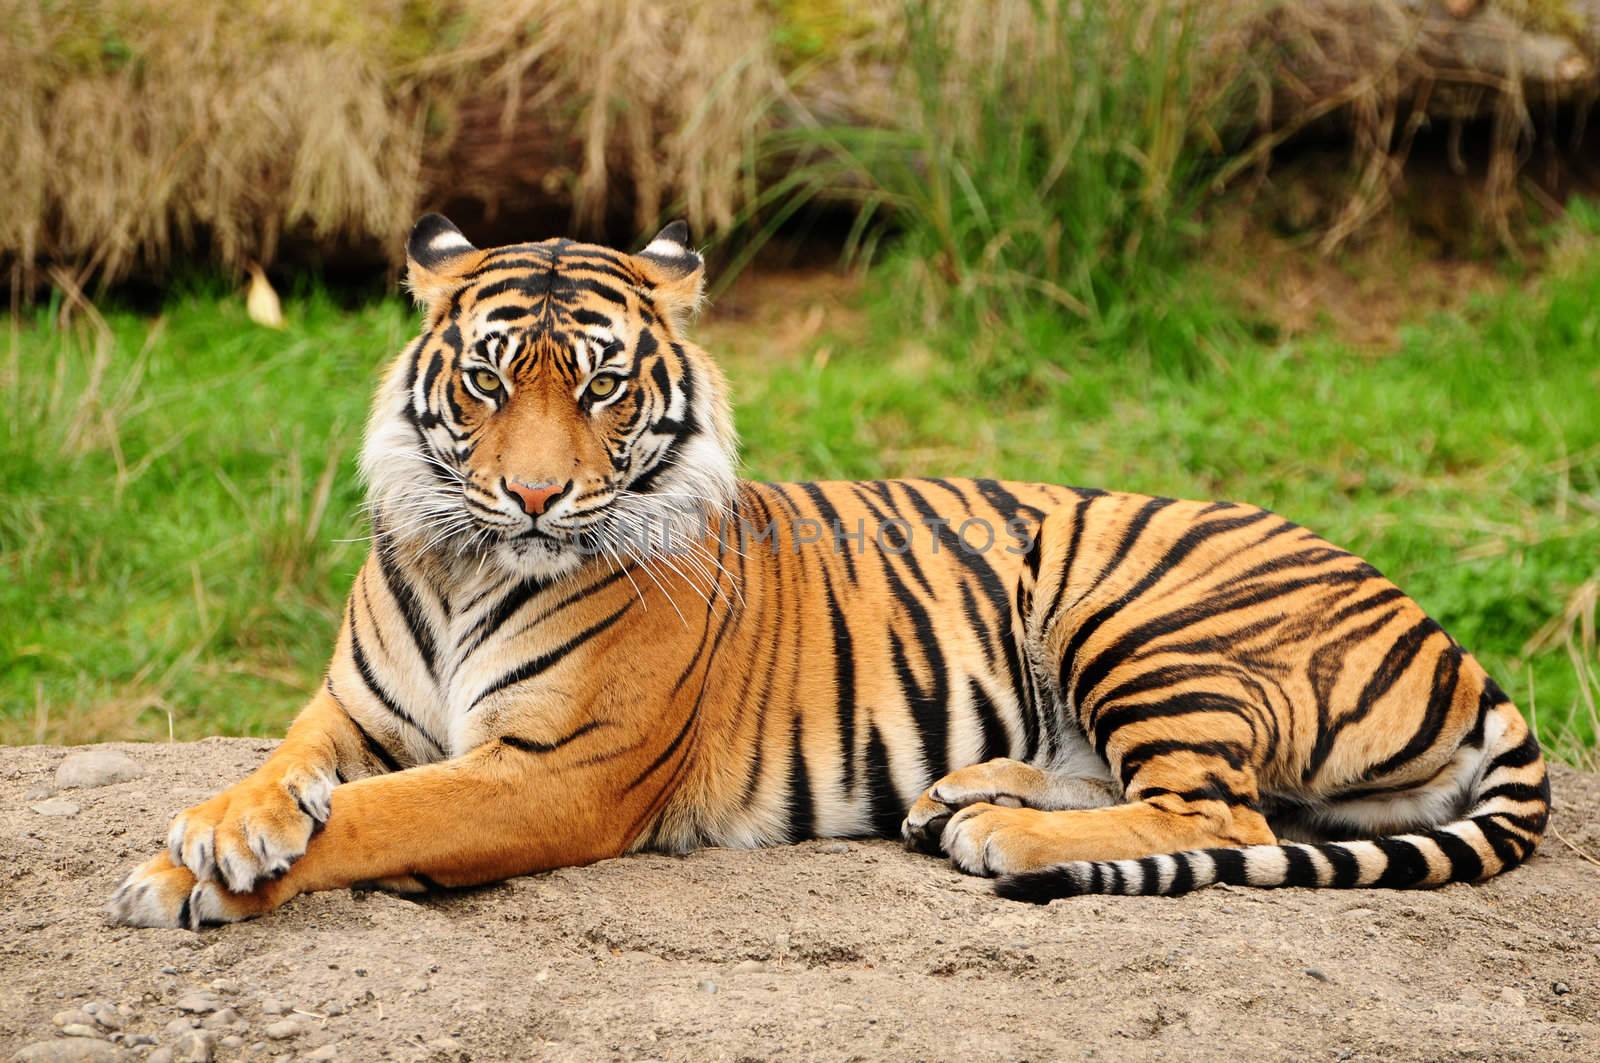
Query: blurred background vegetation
x=1337, y=257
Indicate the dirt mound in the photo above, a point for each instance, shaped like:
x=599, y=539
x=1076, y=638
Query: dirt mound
x=826, y=950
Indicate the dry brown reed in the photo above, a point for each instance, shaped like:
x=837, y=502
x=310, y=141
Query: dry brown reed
x=136, y=132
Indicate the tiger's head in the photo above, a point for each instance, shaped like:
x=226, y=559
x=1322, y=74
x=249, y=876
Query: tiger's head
x=552, y=408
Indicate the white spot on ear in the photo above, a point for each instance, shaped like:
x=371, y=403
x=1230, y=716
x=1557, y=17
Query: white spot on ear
x=448, y=240
x=665, y=249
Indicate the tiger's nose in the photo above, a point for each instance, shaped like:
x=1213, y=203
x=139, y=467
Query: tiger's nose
x=534, y=497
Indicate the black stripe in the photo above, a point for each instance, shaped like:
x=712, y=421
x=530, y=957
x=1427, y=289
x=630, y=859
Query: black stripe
x=1108, y=659
x=830, y=516
x=1231, y=866
x=1525, y=753
x=1465, y=863
x=1301, y=869
x=1346, y=868
x=529, y=669
x=1150, y=875
x=1188, y=704
x=376, y=748
x=888, y=807
x=1407, y=865
x=1512, y=791
x=384, y=698
x=666, y=754
x=502, y=611
x=1402, y=652
x=996, y=742
x=802, y=811
x=410, y=606
x=1135, y=757
x=844, y=681
x=1182, y=875
x=529, y=745
x=1079, y=512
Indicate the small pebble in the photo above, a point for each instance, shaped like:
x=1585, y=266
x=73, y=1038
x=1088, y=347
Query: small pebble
x=79, y=1029
x=196, y=1046
x=708, y=986
x=233, y=1040
x=199, y=1003
x=160, y=1055
x=75, y=1050
x=333, y=1007
x=105, y=1015
x=1560, y=989
x=282, y=1030
x=56, y=806
x=273, y=1006
x=326, y=1052
x=225, y=1017
x=169, y=970
x=71, y=1016
x=180, y=1026
x=97, y=767
x=134, y=1040
x=224, y=985
x=1315, y=973
x=836, y=847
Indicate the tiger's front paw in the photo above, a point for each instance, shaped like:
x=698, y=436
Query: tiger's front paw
x=159, y=893
x=251, y=832
x=985, y=839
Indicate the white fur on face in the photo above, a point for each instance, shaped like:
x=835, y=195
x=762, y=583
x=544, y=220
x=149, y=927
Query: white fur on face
x=411, y=492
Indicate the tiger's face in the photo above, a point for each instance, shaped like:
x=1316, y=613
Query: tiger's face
x=551, y=409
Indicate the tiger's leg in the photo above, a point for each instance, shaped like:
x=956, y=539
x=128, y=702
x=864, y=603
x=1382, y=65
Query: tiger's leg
x=260, y=825
x=1181, y=795
x=499, y=811
x=1004, y=782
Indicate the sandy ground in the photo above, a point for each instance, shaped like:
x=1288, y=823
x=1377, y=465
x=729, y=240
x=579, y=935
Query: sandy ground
x=827, y=950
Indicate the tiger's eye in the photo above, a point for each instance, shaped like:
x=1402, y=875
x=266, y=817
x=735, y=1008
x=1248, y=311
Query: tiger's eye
x=602, y=387
x=486, y=381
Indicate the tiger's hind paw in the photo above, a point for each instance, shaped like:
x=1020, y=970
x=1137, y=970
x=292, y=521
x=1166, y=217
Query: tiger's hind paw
x=1003, y=783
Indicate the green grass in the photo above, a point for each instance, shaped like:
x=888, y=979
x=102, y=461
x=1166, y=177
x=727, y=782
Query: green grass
x=180, y=490
x=1048, y=158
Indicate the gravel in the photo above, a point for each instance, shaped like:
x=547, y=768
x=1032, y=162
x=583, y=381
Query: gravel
x=56, y=807
x=96, y=767
x=282, y=1030
x=73, y=1051
x=869, y=953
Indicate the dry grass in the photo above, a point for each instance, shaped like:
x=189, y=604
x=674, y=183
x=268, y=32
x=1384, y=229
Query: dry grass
x=1384, y=70
x=138, y=131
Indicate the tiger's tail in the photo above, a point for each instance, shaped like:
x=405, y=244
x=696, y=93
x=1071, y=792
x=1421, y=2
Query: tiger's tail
x=1508, y=808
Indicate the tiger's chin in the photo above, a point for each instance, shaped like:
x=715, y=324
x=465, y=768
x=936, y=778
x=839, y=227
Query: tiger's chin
x=535, y=558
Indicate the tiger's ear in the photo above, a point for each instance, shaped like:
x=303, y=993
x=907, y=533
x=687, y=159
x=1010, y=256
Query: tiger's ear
x=675, y=272
x=438, y=260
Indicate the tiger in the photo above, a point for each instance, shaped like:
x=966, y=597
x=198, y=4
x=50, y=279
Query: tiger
x=579, y=634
